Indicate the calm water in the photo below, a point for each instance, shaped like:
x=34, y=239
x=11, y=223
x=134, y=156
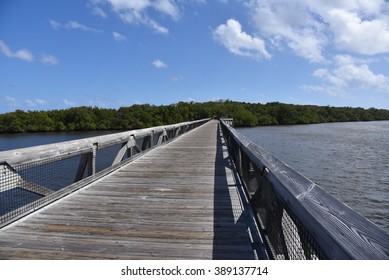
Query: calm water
x=349, y=160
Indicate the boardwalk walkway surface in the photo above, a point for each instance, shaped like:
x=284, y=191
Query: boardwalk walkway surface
x=182, y=200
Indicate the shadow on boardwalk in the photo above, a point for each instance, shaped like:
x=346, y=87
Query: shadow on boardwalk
x=231, y=221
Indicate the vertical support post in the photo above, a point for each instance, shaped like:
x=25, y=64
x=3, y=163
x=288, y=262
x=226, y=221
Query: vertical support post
x=146, y=142
x=87, y=161
x=165, y=134
x=129, y=152
x=177, y=132
x=92, y=160
x=162, y=136
x=151, y=138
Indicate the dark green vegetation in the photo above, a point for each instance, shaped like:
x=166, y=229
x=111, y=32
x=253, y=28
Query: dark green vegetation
x=140, y=116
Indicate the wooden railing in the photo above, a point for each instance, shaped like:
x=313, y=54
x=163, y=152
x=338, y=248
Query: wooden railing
x=33, y=177
x=299, y=220
x=229, y=121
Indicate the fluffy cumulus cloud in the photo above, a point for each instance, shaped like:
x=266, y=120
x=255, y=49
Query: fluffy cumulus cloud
x=310, y=27
x=353, y=33
x=138, y=11
x=238, y=42
x=348, y=74
x=345, y=37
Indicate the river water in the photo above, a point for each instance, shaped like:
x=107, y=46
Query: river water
x=349, y=160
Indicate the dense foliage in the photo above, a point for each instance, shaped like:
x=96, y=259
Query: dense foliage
x=140, y=116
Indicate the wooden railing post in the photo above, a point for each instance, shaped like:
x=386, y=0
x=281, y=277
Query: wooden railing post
x=92, y=168
x=176, y=131
x=151, y=138
x=87, y=162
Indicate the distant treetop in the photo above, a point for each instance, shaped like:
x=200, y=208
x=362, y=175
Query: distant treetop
x=146, y=115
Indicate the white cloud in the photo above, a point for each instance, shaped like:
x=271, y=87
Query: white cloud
x=346, y=75
x=22, y=54
x=156, y=26
x=118, y=37
x=238, y=42
x=49, y=59
x=68, y=102
x=36, y=102
x=309, y=28
x=354, y=34
x=285, y=23
x=140, y=11
x=159, y=64
x=129, y=4
x=26, y=55
x=73, y=25
x=54, y=24
x=79, y=26
x=167, y=7
x=99, y=12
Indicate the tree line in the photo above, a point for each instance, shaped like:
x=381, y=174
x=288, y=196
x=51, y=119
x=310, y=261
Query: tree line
x=146, y=115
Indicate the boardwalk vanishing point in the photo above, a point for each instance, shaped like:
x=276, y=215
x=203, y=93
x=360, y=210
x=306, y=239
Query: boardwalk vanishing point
x=182, y=200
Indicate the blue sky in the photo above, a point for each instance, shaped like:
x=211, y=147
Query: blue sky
x=112, y=53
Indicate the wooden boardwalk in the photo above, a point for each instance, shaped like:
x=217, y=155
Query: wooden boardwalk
x=182, y=200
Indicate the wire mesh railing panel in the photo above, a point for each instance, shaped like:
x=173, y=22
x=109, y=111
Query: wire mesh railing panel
x=270, y=216
x=23, y=187
x=106, y=156
x=53, y=174
x=300, y=242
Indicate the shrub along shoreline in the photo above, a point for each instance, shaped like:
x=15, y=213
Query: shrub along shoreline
x=146, y=115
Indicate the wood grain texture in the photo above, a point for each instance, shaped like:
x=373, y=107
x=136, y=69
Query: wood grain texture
x=182, y=200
